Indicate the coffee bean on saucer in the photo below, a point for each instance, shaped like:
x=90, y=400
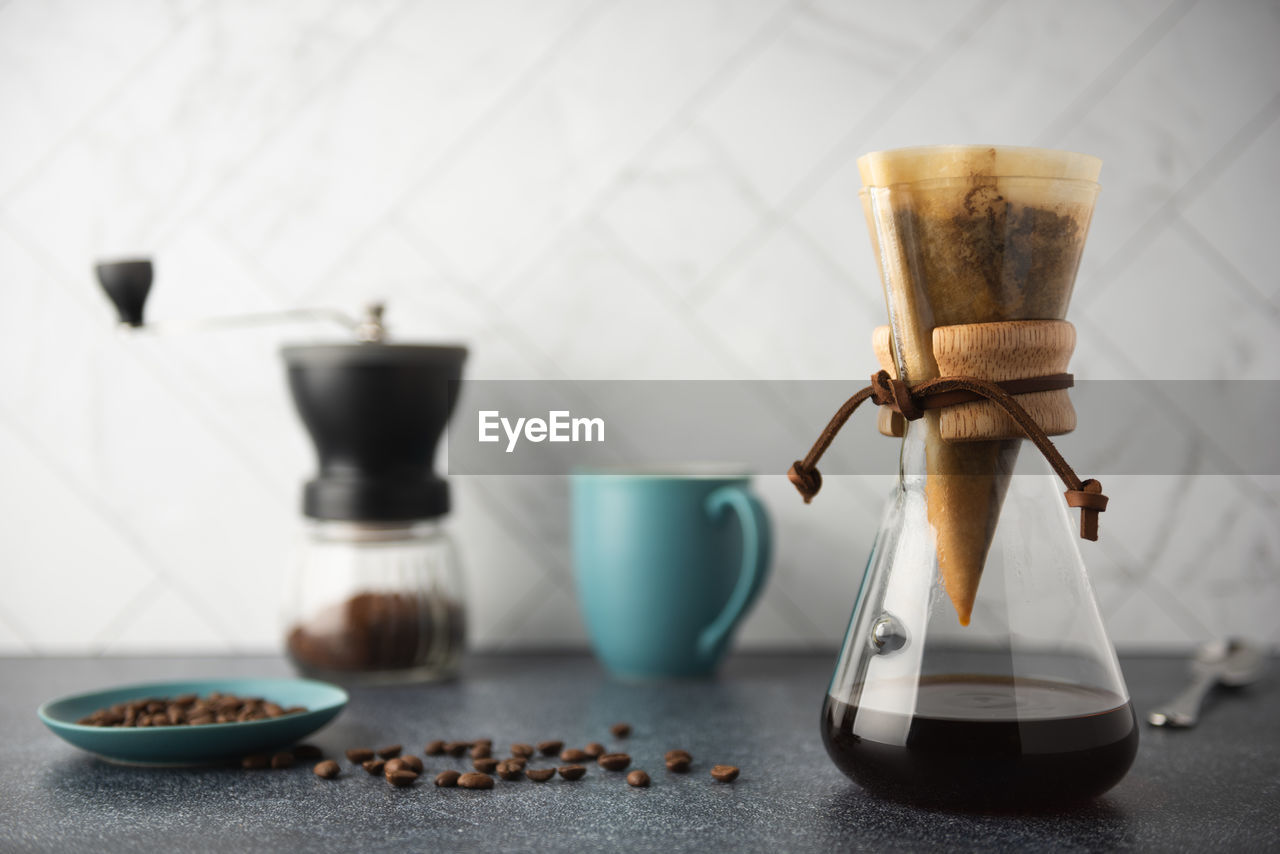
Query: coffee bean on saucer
x=402, y=778
x=638, y=778
x=550, y=748
x=678, y=764
x=572, y=772
x=573, y=754
x=614, y=761
x=620, y=730
x=307, y=752
x=485, y=764
x=672, y=754
x=391, y=750
x=328, y=769
x=475, y=780
x=725, y=773
x=595, y=750
x=374, y=766
x=509, y=770
x=480, y=751
x=434, y=748
x=359, y=755
x=540, y=775
x=255, y=761
x=283, y=759
x=447, y=779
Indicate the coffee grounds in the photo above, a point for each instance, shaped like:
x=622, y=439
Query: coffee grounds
x=379, y=631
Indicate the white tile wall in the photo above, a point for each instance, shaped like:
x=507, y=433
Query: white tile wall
x=562, y=184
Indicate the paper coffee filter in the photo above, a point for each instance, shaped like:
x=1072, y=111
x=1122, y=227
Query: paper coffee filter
x=972, y=234
x=904, y=165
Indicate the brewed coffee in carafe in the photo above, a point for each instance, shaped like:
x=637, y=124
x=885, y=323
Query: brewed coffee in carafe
x=976, y=671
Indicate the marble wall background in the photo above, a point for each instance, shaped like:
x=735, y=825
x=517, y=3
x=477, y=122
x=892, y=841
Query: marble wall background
x=579, y=189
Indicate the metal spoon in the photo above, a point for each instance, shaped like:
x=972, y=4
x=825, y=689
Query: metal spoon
x=1232, y=662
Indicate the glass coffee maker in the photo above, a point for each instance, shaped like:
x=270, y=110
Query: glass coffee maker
x=976, y=672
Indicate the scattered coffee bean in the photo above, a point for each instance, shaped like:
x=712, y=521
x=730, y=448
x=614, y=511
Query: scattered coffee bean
x=480, y=751
x=595, y=750
x=402, y=778
x=456, y=748
x=620, y=730
x=550, y=748
x=725, y=773
x=374, y=766
x=525, y=750
x=328, y=769
x=283, y=759
x=475, y=780
x=638, y=778
x=614, y=761
x=672, y=754
x=255, y=761
x=509, y=770
x=573, y=754
x=359, y=755
x=391, y=750
x=572, y=772
x=447, y=779
x=434, y=748
x=307, y=752
x=678, y=764
x=540, y=775
x=406, y=763
x=485, y=764
x=487, y=742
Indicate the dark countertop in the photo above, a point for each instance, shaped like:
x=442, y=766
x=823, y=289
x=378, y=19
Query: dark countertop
x=1216, y=787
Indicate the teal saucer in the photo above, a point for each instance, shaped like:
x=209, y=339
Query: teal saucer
x=195, y=745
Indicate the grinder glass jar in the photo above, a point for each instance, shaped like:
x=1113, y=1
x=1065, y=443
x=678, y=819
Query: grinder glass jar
x=377, y=602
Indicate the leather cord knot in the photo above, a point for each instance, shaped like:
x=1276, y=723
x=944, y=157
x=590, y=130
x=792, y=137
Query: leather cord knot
x=807, y=480
x=895, y=394
x=950, y=391
x=1089, y=498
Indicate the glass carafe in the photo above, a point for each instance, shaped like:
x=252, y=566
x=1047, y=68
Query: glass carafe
x=1025, y=706
x=976, y=670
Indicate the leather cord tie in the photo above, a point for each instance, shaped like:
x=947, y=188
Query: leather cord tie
x=912, y=402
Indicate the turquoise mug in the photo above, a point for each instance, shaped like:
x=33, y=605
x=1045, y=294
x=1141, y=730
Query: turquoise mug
x=667, y=565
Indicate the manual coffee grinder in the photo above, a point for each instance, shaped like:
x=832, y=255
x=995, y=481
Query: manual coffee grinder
x=976, y=671
x=376, y=594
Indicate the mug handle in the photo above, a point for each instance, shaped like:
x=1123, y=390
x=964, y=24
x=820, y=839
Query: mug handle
x=756, y=546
